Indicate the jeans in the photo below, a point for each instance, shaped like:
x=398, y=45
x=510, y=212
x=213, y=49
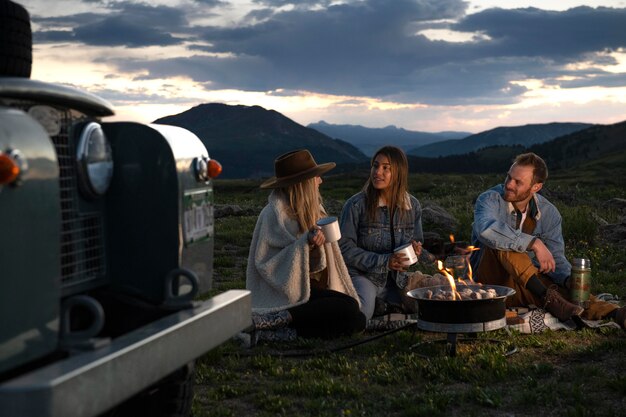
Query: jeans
x=368, y=292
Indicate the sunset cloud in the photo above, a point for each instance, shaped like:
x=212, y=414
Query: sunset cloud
x=414, y=53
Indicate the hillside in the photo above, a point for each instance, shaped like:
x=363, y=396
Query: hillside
x=368, y=140
x=596, y=151
x=585, y=146
x=247, y=139
x=526, y=135
x=599, y=151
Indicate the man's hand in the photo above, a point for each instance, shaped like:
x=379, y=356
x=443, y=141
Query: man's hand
x=544, y=257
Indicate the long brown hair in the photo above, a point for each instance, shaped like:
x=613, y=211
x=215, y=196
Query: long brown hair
x=398, y=186
x=304, y=201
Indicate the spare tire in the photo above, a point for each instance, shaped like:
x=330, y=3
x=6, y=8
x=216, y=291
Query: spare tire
x=16, y=40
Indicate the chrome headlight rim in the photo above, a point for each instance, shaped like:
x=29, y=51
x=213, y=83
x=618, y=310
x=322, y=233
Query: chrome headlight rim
x=94, y=158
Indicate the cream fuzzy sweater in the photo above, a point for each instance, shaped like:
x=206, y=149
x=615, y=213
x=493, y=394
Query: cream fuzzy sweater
x=279, y=262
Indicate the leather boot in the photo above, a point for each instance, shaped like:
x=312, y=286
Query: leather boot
x=620, y=317
x=559, y=307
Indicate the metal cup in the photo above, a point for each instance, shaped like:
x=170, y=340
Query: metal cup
x=330, y=228
x=408, y=252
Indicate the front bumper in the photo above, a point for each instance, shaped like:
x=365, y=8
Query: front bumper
x=92, y=382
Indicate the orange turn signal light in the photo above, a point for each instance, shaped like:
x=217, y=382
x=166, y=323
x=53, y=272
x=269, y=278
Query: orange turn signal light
x=9, y=170
x=214, y=168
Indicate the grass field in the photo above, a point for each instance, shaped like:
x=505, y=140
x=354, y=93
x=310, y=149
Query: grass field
x=407, y=373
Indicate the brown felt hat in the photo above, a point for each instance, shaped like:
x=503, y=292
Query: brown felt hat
x=295, y=166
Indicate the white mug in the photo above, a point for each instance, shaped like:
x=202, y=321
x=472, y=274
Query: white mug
x=408, y=252
x=330, y=228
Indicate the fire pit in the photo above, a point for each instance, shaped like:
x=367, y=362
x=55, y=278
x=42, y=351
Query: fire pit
x=461, y=315
x=466, y=309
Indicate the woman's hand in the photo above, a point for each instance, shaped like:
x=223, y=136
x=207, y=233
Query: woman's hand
x=316, y=237
x=417, y=247
x=396, y=262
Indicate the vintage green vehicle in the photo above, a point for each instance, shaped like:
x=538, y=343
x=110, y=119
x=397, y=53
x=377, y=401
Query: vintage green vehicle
x=106, y=239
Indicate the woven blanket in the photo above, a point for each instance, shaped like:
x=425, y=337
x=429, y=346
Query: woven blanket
x=537, y=320
x=390, y=322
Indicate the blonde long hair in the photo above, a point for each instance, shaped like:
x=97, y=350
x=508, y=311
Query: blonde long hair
x=399, y=182
x=304, y=201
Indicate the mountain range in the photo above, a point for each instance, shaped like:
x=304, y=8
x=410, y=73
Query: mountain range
x=247, y=139
x=369, y=140
x=516, y=135
x=597, y=150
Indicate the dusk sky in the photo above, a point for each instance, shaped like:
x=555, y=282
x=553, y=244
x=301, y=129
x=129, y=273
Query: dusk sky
x=428, y=65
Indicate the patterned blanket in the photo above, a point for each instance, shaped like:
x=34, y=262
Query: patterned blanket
x=537, y=320
x=524, y=320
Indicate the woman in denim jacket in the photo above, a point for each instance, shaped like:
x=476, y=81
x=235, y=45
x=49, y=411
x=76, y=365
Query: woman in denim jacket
x=369, y=236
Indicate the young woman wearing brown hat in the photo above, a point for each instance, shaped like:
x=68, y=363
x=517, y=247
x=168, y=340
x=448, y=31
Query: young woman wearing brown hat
x=299, y=282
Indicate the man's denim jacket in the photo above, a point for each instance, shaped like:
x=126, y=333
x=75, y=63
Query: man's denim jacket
x=366, y=245
x=495, y=227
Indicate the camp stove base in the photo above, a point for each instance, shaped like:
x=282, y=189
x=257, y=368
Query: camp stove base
x=468, y=330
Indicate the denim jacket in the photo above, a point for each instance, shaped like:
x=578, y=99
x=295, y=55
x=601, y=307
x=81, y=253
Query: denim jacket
x=495, y=227
x=366, y=246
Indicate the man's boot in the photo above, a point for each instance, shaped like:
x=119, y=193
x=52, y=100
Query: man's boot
x=559, y=307
x=620, y=317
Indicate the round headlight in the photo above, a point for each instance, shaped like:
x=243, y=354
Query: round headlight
x=95, y=161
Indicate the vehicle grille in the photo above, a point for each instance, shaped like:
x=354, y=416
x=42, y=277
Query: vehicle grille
x=82, y=234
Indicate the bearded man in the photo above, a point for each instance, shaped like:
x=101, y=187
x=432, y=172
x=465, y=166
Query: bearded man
x=521, y=245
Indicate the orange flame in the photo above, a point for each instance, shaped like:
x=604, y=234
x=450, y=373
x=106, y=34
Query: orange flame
x=469, y=273
x=452, y=238
x=449, y=277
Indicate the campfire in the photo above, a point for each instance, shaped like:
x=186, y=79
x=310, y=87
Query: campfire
x=465, y=294
x=461, y=306
x=467, y=290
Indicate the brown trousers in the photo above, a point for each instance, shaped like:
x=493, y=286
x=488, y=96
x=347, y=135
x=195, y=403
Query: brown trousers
x=514, y=269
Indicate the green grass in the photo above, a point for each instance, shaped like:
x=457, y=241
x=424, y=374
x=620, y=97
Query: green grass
x=408, y=373
x=567, y=373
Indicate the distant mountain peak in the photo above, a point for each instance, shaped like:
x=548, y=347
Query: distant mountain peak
x=247, y=139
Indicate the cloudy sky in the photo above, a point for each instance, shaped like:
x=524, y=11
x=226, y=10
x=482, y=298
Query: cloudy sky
x=429, y=65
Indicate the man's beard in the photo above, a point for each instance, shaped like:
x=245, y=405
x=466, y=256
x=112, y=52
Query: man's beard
x=516, y=197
